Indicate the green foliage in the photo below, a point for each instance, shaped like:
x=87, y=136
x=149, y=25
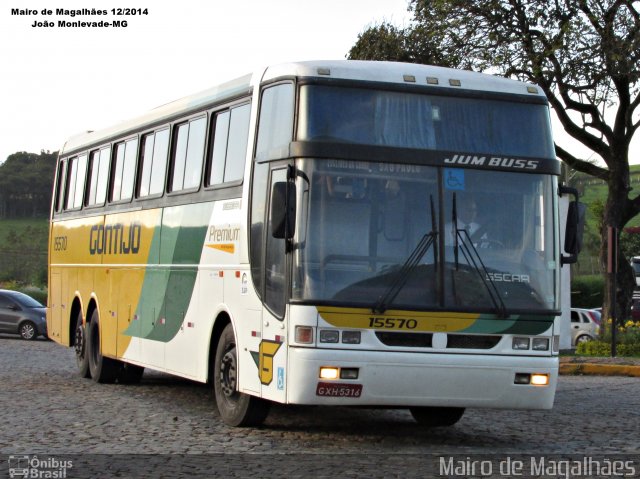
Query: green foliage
x=23, y=251
x=26, y=184
x=587, y=291
x=627, y=341
x=602, y=348
x=386, y=42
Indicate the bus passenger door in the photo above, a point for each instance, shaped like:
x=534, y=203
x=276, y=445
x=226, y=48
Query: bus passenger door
x=273, y=351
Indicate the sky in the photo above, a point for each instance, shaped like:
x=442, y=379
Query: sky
x=58, y=82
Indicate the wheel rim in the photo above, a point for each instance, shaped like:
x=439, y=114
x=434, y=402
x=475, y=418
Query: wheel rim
x=228, y=373
x=27, y=331
x=79, y=342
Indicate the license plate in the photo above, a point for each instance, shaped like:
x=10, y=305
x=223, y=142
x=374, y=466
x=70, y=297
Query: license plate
x=339, y=390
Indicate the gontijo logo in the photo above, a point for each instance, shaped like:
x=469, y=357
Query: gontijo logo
x=116, y=238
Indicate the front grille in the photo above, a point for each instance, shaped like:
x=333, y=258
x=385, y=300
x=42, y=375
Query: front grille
x=409, y=340
x=472, y=341
x=425, y=340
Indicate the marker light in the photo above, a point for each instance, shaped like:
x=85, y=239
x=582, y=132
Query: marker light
x=540, y=379
x=540, y=344
x=351, y=337
x=329, y=335
x=304, y=334
x=349, y=373
x=521, y=343
x=328, y=372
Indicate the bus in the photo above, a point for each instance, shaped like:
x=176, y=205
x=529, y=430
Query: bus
x=296, y=236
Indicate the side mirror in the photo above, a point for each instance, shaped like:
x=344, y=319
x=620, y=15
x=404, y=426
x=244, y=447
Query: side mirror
x=283, y=210
x=575, y=227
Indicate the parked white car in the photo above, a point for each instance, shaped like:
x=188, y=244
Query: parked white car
x=585, y=325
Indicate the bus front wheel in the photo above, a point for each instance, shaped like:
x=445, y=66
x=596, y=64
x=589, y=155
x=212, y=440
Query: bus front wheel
x=437, y=416
x=103, y=370
x=236, y=408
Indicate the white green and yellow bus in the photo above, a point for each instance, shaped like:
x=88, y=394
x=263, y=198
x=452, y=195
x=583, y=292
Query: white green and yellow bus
x=324, y=233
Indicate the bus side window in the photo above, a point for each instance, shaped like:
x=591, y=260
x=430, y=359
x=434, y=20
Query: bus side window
x=97, y=180
x=188, y=154
x=275, y=128
x=124, y=169
x=153, y=156
x=62, y=170
x=70, y=190
x=230, y=135
x=80, y=181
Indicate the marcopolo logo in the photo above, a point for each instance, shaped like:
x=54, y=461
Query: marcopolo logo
x=41, y=468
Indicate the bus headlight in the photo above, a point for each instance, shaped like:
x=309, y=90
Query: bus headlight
x=520, y=343
x=329, y=372
x=540, y=344
x=540, y=379
x=329, y=336
x=351, y=337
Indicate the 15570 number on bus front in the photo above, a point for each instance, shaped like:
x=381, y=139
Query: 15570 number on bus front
x=392, y=323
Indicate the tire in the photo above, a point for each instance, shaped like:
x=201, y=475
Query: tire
x=236, y=408
x=437, y=416
x=130, y=373
x=583, y=338
x=28, y=331
x=80, y=347
x=103, y=370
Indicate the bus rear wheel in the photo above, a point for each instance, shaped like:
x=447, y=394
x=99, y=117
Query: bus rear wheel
x=236, y=408
x=103, y=370
x=437, y=416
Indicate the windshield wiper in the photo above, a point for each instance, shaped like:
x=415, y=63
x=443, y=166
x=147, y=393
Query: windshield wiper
x=410, y=264
x=472, y=257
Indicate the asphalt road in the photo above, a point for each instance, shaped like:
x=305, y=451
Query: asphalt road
x=169, y=427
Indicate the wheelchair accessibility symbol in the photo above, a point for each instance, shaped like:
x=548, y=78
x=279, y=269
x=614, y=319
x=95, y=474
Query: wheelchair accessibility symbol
x=280, y=379
x=454, y=179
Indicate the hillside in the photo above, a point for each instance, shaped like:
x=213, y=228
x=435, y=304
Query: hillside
x=23, y=250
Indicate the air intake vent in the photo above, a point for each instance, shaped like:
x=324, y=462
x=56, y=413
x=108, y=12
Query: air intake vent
x=472, y=341
x=425, y=340
x=407, y=340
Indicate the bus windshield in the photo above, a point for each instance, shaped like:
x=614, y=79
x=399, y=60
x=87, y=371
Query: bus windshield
x=359, y=222
x=448, y=123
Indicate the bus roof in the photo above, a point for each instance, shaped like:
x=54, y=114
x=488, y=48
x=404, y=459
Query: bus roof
x=385, y=72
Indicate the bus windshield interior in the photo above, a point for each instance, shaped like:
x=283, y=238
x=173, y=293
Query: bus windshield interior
x=447, y=123
x=361, y=224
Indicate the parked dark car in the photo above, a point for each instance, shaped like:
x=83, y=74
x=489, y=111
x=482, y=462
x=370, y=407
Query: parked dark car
x=21, y=314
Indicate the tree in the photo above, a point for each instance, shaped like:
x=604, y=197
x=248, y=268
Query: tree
x=584, y=55
x=26, y=184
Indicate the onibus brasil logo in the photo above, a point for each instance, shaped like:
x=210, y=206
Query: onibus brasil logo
x=33, y=467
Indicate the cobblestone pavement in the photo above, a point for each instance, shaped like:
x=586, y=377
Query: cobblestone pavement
x=47, y=409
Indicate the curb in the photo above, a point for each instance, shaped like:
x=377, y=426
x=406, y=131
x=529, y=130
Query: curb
x=599, y=369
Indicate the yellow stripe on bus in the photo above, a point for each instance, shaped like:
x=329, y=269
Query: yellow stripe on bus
x=363, y=318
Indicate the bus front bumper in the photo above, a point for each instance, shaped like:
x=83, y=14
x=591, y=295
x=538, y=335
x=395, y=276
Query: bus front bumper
x=419, y=379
